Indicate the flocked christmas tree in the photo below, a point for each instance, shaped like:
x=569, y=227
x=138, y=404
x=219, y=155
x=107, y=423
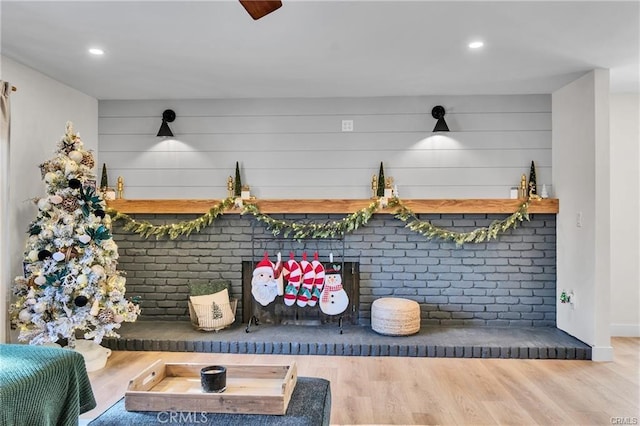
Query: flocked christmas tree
x=70, y=282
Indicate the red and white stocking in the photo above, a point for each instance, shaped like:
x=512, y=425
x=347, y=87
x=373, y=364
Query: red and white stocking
x=291, y=273
x=318, y=280
x=277, y=274
x=304, y=295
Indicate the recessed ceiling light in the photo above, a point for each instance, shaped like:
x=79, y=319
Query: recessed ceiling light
x=96, y=51
x=476, y=45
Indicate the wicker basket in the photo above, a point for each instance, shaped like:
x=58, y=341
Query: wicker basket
x=212, y=318
x=394, y=316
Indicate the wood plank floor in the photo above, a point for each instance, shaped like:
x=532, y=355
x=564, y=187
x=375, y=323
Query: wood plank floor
x=393, y=390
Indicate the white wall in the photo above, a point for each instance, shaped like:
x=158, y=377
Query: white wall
x=294, y=148
x=39, y=110
x=581, y=181
x=625, y=215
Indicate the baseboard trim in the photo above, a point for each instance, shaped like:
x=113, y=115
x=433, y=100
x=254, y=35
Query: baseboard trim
x=625, y=330
x=602, y=353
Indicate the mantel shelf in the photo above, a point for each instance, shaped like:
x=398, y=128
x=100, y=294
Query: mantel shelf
x=301, y=206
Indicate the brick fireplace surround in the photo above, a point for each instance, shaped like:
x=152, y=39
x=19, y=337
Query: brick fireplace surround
x=505, y=284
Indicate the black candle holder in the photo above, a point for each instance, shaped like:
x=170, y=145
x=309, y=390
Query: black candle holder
x=213, y=379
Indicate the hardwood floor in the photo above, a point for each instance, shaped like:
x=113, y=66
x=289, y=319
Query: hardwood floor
x=392, y=390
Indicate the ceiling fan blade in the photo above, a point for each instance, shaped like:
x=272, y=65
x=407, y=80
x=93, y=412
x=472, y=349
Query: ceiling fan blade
x=259, y=8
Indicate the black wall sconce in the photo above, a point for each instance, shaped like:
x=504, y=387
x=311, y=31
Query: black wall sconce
x=438, y=113
x=167, y=117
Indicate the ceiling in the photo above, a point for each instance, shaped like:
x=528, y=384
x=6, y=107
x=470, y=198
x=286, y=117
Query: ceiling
x=213, y=49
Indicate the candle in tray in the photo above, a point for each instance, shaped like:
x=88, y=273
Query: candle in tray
x=213, y=379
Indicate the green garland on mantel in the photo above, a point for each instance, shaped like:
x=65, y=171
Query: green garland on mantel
x=332, y=229
x=174, y=230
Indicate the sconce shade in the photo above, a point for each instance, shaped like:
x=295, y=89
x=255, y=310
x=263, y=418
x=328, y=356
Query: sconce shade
x=438, y=113
x=167, y=117
x=259, y=8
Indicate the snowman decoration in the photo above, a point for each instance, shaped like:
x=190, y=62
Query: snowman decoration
x=264, y=286
x=333, y=299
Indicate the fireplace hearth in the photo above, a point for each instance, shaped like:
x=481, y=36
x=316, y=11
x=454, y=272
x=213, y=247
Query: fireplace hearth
x=326, y=339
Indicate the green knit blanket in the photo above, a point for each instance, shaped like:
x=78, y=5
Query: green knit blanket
x=42, y=386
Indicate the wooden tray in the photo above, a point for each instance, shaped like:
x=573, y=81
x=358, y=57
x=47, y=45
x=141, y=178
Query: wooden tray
x=251, y=389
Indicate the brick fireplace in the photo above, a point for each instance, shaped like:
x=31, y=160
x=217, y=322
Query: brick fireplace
x=507, y=282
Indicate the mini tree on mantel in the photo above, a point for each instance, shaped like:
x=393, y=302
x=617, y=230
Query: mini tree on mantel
x=533, y=187
x=237, y=187
x=381, y=182
x=70, y=281
x=104, y=180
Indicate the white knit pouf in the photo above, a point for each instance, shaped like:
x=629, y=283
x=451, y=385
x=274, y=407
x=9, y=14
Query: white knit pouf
x=394, y=316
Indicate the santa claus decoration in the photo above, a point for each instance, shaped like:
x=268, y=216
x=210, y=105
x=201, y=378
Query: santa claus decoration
x=264, y=286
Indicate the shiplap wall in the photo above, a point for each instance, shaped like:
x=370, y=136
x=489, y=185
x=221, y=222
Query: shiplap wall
x=294, y=148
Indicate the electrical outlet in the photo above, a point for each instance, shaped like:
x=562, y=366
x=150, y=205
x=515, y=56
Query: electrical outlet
x=579, y=219
x=347, y=125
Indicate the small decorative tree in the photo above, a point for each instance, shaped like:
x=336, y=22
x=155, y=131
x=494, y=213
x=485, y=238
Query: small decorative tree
x=237, y=187
x=381, y=182
x=533, y=186
x=104, y=181
x=70, y=281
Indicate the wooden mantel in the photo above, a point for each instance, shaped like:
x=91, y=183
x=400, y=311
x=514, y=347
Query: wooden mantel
x=482, y=205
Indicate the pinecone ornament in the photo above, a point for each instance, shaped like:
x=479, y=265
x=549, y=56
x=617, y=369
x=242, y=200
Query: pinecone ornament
x=70, y=204
x=88, y=160
x=105, y=316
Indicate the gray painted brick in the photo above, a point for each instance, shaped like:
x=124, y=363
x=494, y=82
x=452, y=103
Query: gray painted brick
x=427, y=291
x=482, y=299
x=473, y=308
x=449, y=307
x=438, y=284
x=451, y=261
x=496, y=266
x=520, y=308
x=488, y=285
x=521, y=292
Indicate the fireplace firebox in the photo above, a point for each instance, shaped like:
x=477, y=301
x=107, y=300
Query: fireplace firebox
x=278, y=312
